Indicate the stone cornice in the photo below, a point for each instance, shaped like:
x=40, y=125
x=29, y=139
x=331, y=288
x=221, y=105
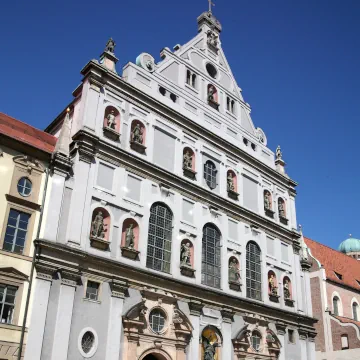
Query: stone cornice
x=84, y=141
x=139, y=98
x=59, y=256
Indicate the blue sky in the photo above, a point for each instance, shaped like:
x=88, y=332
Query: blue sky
x=298, y=63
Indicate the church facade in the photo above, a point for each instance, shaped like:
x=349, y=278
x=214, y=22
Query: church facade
x=171, y=229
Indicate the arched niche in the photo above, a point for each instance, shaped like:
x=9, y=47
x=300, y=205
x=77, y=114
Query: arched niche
x=210, y=342
x=138, y=136
x=189, y=162
x=111, y=123
x=273, y=286
x=287, y=291
x=282, y=211
x=212, y=96
x=187, y=258
x=100, y=228
x=234, y=273
x=268, y=207
x=130, y=239
x=231, y=184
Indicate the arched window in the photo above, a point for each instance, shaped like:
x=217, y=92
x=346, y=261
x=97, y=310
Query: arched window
x=211, y=259
x=193, y=80
x=255, y=340
x=159, y=238
x=210, y=174
x=336, y=301
x=355, y=309
x=253, y=271
x=188, y=76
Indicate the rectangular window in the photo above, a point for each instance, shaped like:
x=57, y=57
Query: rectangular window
x=233, y=229
x=284, y=253
x=291, y=336
x=250, y=193
x=344, y=342
x=92, y=290
x=7, y=303
x=188, y=211
x=105, y=176
x=133, y=188
x=270, y=246
x=16, y=230
x=164, y=150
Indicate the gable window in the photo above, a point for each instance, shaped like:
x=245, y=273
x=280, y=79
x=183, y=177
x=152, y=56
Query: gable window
x=92, y=290
x=210, y=174
x=24, y=186
x=253, y=271
x=211, y=259
x=16, y=230
x=7, y=303
x=191, y=78
x=230, y=105
x=355, y=310
x=159, y=238
x=336, y=301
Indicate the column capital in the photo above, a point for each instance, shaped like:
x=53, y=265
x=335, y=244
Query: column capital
x=118, y=288
x=44, y=272
x=280, y=327
x=70, y=278
x=227, y=315
x=195, y=307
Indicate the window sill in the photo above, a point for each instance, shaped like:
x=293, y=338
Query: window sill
x=231, y=114
x=132, y=202
x=11, y=327
x=106, y=191
x=92, y=301
x=15, y=255
x=192, y=88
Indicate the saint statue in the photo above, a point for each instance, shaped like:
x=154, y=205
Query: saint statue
x=234, y=273
x=278, y=153
x=211, y=92
x=137, y=134
x=209, y=349
x=230, y=183
x=212, y=39
x=272, y=284
x=98, y=226
x=111, y=121
x=110, y=46
x=267, y=200
x=281, y=208
x=129, y=237
x=287, y=294
x=185, y=254
x=187, y=160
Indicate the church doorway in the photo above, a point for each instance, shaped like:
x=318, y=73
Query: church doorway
x=154, y=357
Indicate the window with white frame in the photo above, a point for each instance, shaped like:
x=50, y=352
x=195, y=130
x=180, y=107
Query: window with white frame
x=7, y=303
x=253, y=271
x=336, y=303
x=355, y=311
x=188, y=211
x=191, y=78
x=284, y=252
x=92, y=290
x=105, y=176
x=210, y=174
x=230, y=105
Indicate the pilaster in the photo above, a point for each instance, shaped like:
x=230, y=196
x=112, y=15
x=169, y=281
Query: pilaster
x=227, y=317
x=281, y=331
x=195, y=307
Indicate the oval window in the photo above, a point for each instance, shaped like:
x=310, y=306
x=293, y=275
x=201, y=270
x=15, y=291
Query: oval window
x=211, y=69
x=87, y=342
x=157, y=320
x=24, y=186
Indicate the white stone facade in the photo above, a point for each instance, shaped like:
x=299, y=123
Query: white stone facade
x=180, y=104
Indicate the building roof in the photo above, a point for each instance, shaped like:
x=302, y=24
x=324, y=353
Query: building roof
x=346, y=320
x=334, y=262
x=27, y=134
x=350, y=245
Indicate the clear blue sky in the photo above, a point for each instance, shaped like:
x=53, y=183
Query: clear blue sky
x=298, y=63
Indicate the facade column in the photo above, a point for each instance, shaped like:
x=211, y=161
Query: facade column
x=281, y=331
x=44, y=276
x=118, y=289
x=311, y=354
x=68, y=286
x=227, y=317
x=195, y=312
x=303, y=343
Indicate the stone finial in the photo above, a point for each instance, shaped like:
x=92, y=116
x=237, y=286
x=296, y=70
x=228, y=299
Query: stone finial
x=278, y=153
x=64, y=139
x=108, y=58
x=279, y=162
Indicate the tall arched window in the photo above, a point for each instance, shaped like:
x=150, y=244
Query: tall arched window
x=210, y=174
x=211, y=259
x=253, y=271
x=355, y=309
x=159, y=238
x=336, y=305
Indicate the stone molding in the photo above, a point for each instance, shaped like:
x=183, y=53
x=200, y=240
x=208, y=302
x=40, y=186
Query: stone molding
x=118, y=288
x=195, y=307
x=70, y=278
x=61, y=165
x=44, y=272
x=280, y=327
x=227, y=315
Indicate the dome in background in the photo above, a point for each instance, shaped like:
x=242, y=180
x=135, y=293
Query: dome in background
x=350, y=245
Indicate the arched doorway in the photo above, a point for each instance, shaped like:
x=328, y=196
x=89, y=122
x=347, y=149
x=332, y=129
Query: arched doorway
x=154, y=357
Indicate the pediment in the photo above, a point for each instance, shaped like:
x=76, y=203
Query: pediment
x=13, y=273
x=29, y=163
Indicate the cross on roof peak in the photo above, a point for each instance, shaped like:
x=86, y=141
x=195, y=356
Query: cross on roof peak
x=211, y=4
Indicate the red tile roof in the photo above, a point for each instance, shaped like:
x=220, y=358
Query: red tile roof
x=347, y=320
x=333, y=260
x=27, y=134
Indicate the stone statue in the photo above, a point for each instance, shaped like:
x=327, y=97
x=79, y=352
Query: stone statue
x=211, y=92
x=110, y=46
x=287, y=294
x=230, y=182
x=98, y=226
x=111, y=120
x=185, y=254
x=212, y=39
x=137, y=134
x=267, y=200
x=269, y=337
x=209, y=349
x=234, y=273
x=129, y=237
x=281, y=208
x=273, y=287
x=187, y=160
x=278, y=153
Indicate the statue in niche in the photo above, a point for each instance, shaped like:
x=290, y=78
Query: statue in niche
x=110, y=46
x=185, y=254
x=267, y=200
x=230, y=182
x=273, y=287
x=212, y=39
x=187, y=160
x=137, y=134
x=234, y=273
x=209, y=349
x=281, y=208
x=111, y=120
x=287, y=294
x=98, y=226
x=211, y=93
x=278, y=153
x=129, y=237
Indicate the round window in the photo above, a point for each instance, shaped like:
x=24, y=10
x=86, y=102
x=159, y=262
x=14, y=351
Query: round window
x=211, y=69
x=24, y=186
x=157, y=320
x=87, y=342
